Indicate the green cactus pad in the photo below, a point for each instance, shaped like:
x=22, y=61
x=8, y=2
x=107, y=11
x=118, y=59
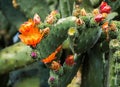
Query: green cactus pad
x=57, y=35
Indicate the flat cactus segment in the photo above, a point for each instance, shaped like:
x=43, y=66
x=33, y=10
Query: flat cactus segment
x=57, y=35
x=30, y=7
x=12, y=14
x=114, y=64
x=87, y=39
x=14, y=56
x=92, y=73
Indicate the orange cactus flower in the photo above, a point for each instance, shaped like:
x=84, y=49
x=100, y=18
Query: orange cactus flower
x=55, y=65
x=30, y=34
x=32, y=38
x=27, y=26
x=52, y=56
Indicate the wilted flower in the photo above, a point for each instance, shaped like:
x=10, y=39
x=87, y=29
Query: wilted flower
x=79, y=21
x=105, y=28
x=50, y=19
x=55, y=65
x=83, y=12
x=33, y=54
x=95, y=12
x=112, y=26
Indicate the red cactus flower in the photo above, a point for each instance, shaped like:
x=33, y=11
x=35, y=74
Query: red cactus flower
x=105, y=8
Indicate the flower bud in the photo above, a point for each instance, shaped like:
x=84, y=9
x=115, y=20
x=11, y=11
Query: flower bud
x=98, y=18
x=36, y=19
x=79, y=21
x=70, y=60
x=51, y=79
x=103, y=4
x=95, y=12
x=104, y=15
x=105, y=8
x=112, y=26
x=33, y=54
x=83, y=12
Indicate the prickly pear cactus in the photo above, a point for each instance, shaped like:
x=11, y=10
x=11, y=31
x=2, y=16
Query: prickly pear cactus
x=65, y=41
x=114, y=65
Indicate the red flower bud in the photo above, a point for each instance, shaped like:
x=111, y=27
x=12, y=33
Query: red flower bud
x=103, y=4
x=105, y=8
x=70, y=60
x=99, y=18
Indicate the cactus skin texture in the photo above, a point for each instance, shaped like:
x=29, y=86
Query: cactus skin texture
x=93, y=68
x=14, y=57
x=84, y=41
x=54, y=38
x=84, y=44
x=114, y=64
